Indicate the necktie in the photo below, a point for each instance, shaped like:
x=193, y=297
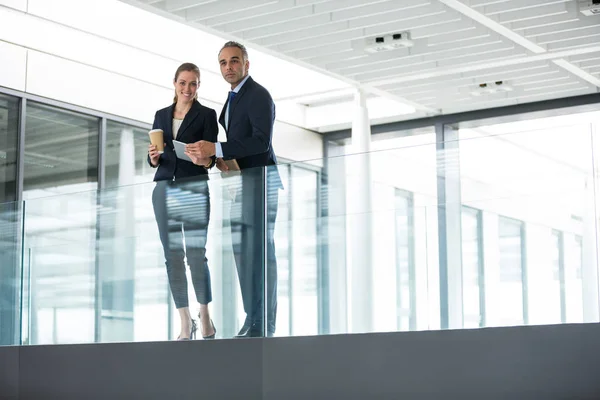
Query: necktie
x=227, y=112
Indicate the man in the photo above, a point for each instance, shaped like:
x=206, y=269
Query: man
x=248, y=117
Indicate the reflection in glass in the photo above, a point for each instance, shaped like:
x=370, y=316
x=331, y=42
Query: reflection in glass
x=9, y=125
x=126, y=155
x=405, y=262
x=61, y=156
x=296, y=242
x=10, y=223
x=511, y=287
x=472, y=269
x=61, y=151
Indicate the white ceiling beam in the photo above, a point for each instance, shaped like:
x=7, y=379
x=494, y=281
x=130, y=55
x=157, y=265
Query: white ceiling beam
x=487, y=65
x=178, y=5
x=222, y=8
x=323, y=24
x=385, y=27
x=578, y=72
x=493, y=25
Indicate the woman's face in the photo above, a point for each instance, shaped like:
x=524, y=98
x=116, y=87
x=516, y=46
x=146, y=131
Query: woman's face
x=186, y=86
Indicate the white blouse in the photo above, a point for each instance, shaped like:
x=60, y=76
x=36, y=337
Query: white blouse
x=176, y=126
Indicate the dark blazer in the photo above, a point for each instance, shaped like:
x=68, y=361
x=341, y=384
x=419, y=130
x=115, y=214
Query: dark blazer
x=200, y=123
x=250, y=133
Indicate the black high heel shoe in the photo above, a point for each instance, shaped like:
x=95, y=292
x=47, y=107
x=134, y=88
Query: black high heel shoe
x=192, y=332
x=214, y=329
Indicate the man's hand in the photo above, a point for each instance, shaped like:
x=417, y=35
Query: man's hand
x=221, y=165
x=201, y=161
x=201, y=149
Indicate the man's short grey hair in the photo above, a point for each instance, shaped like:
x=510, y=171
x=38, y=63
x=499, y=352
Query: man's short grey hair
x=240, y=46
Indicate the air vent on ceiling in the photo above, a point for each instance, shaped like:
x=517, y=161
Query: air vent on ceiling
x=589, y=7
x=491, y=87
x=388, y=42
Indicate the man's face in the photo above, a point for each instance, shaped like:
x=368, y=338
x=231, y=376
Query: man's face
x=233, y=67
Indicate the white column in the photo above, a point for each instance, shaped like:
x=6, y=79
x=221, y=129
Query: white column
x=360, y=260
x=450, y=231
x=337, y=243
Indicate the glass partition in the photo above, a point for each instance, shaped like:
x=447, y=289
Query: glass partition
x=481, y=225
x=11, y=273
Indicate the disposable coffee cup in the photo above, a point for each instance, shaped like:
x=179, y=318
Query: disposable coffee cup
x=156, y=138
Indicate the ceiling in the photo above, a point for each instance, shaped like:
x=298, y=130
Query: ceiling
x=539, y=49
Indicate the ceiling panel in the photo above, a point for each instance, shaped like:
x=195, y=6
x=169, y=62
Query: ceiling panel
x=457, y=44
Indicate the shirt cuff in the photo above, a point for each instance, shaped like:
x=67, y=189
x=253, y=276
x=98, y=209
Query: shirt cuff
x=218, y=150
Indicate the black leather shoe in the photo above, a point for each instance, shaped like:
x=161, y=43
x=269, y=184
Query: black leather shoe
x=254, y=330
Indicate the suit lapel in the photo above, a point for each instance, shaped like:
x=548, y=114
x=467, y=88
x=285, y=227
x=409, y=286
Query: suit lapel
x=169, y=125
x=188, y=119
x=237, y=98
x=222, y=116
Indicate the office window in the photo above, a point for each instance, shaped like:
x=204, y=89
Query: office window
x=9, y=126
x=472, y=269
x=405, y=262
x=512, y=284
x=61, y=151
x=10, y=223
x=61, y=156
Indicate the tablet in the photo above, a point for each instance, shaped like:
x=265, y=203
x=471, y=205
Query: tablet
x=180, y=150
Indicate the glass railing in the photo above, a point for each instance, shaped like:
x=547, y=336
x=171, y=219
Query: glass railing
x=349, y=244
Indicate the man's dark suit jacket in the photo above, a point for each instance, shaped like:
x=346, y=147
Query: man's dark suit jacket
x=200, y=123
x=250, y=133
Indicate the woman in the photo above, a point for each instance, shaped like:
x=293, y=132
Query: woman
x=181, y=198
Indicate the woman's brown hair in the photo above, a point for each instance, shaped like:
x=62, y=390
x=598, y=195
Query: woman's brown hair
x=186, y=67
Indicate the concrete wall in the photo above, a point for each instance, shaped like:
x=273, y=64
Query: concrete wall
x=537, y=362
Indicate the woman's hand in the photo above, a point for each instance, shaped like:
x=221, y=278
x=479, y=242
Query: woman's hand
x=154, y=155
